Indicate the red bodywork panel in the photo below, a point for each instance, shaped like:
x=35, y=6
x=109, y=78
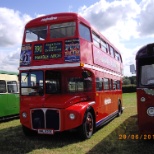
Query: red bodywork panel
x=60, y=101
x=145, y=100
x=65, y=104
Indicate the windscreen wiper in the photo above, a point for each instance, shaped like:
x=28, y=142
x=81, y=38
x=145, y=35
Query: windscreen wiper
x=27, y=74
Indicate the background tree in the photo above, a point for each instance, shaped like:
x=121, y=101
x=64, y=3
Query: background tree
x=129, y=80
x=126, y=81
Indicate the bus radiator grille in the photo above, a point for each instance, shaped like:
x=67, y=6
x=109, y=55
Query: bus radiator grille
x=45, y=119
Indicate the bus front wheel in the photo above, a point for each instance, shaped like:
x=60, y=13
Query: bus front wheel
x=87, y=127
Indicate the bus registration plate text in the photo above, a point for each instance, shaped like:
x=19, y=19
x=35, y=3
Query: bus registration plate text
x=45, y=131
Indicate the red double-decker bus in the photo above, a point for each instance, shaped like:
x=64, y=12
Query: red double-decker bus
x=70, y=76
x=145, y=88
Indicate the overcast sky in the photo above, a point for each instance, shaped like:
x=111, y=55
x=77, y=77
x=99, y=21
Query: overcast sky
x=128, y=24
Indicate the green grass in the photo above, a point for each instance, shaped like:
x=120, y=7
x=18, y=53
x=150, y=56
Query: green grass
x=111, y=138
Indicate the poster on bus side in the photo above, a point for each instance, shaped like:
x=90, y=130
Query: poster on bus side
x=72, y=50
x=25, y=56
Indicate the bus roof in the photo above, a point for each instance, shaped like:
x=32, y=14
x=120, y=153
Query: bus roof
x=57, y=17
x=145, y=51
x=9, y=73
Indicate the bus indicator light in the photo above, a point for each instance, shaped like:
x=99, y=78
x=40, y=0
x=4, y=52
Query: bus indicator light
x=143, y=99
x=82, y=64
x=72, y=116
x=24, y=115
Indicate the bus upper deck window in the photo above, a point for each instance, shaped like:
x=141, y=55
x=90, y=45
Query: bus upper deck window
x=96, y=39
x=35, y=34
x=62, y=30
x=84, y=32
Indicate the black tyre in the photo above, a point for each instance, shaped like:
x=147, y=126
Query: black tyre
x=87, y=127
x=119, y=109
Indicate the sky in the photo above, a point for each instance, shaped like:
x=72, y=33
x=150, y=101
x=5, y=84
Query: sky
x=128, y=24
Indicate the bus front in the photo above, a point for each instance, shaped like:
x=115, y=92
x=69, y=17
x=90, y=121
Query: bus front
x=145, y=88
x=56, y=91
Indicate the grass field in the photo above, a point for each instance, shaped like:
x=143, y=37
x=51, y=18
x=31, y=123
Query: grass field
x=120, y=136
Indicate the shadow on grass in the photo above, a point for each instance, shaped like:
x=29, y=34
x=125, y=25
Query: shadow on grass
x=12, y=140
x=125, y=139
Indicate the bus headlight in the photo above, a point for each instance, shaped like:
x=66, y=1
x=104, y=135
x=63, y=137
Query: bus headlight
x=72, y=116
x=150, y=111
x=24, y=115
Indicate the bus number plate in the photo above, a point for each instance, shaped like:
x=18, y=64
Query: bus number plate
x=45, y=131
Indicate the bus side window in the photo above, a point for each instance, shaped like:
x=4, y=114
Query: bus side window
x=84, y=32
x=114, y=85
x=103, y=46
x=117, y=56
x=111, y=84
x=107, y=48
x=118, y=84
x=96, y=40
x=75, y=84
x=2, y=86
x=12, y=87
x=99, y=85
x=106, y=84
x=111, y=51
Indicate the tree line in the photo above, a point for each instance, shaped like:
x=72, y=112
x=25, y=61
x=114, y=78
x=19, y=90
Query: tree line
x=129, y=80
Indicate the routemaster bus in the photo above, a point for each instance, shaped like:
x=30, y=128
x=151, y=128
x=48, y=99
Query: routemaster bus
x=70, y=76
x=9, y=95
x=145, y=88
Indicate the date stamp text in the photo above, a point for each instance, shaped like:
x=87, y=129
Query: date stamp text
x=136, y=137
